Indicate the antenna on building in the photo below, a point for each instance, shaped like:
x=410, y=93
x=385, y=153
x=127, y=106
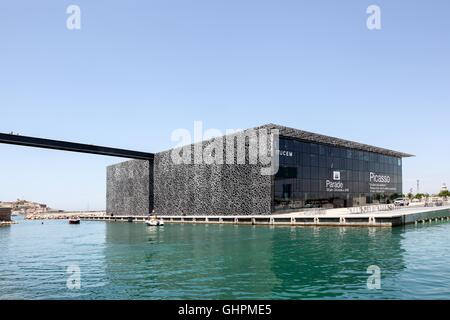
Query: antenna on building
x=418, y=186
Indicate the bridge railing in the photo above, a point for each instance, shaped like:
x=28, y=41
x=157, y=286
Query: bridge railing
x=373, y=208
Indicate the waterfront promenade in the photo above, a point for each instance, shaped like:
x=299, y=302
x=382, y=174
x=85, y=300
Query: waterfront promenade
x=367, y=216
x=391, y=217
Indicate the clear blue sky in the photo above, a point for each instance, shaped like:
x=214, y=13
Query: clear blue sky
x=137, y=70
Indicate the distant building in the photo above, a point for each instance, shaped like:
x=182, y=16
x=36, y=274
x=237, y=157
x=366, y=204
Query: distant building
x=444, y=187
x=5, y=214
x=25, y=207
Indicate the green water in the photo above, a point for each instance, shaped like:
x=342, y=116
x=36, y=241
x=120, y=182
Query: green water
x=132, y=261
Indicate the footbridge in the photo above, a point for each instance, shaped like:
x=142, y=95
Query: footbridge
x=27, y=141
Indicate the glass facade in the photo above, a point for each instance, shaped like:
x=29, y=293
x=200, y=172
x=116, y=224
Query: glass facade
x=316, y=175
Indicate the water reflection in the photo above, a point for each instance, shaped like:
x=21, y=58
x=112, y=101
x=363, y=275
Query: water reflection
x=246, y=262
x=198, y=261
x=133, y=261
x=334, y=264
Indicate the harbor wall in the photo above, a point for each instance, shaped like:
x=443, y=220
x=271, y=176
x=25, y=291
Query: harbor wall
x=427, y=215
x=400, y=217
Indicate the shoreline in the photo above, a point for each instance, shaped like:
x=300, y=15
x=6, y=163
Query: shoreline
x=7, y=223
x=336, y=218
x=333, y=217
x=64, y=215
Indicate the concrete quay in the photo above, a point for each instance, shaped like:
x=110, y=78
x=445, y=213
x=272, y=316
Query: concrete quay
x=333, y=218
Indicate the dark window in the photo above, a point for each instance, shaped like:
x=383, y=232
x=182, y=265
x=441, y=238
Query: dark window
x=287, y=173
x=348, y=164
x=314, y=160
x=306, y=185
x=315, y=185
x=322, y=150
x=306, y=148
x=287, y=191
x=306, y=172
x=323, y=173
x=366, y=156
x=306, y=159
x=323, y=162
x=314, y=173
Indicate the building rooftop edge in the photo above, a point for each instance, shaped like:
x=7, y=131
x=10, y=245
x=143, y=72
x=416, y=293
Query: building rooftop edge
x=315, y=137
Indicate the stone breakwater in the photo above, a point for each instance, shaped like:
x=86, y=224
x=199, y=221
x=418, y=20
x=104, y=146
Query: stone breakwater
x=6, y=223
x=63, y=215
